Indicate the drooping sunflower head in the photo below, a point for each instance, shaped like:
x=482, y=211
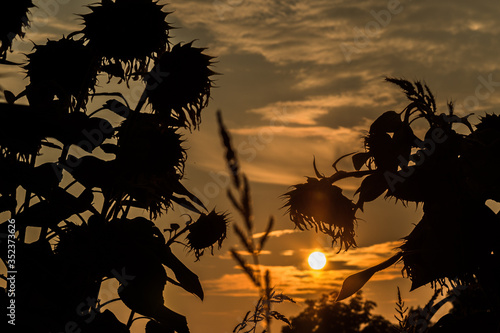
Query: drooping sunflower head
x=207, y=231
x=13, y=17
x=130, y=32
x=320, y=204
x=146, y=145
x=179, y=85
x=150, y=161
x=64, y=68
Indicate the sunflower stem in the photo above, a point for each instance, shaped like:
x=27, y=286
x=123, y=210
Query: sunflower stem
x=344, y=174
x=27, y=199
x=130, y=319
x=172, y=240
x=142, y=100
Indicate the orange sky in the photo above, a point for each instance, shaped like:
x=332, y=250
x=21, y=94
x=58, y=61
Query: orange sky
x=290, y=91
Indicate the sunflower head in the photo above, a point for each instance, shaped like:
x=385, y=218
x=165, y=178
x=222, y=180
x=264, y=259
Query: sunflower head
x=127, y=31
x=150, y=161
x=13, y=17
x=206, y=232
x=148, y=146
x=65, y=68
x=179, y=85
x=320, y=204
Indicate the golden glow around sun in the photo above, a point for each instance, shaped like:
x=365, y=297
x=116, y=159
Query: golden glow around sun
x=317, y=260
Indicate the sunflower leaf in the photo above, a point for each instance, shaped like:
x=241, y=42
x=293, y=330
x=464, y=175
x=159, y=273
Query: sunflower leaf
x=51, y=145
x=186, y=204
x=359, y=159
x=187, y=279
x=182, y=190
x=356, y=281
x=371, y=188
x=9, y=96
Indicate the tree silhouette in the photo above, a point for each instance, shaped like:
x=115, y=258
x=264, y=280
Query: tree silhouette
x=450, y=173
x=327, y=316
x=85, y=208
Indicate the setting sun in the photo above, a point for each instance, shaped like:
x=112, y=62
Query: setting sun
x=317, y=260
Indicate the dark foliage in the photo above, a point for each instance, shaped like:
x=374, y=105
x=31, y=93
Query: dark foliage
x=13, y=18
x=327, y=316
x=81, y=207
x=450, y=173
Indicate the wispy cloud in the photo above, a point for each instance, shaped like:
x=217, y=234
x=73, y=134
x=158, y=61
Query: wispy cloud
x=447, y=43
x=276, y=233
x=298, y=280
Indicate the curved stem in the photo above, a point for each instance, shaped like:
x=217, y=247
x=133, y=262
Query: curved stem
x=345, y=174
x=130, y=319
x=142, y=101
x=172, y=240
x=110, y=301
x=140, y=318
x=27, y=199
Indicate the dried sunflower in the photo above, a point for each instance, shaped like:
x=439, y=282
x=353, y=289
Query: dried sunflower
x=320, y=204
x=127, y=31
x=65, y=68
x=149, y=154
x=13, y=17
x=179, y=85
x=147, y=146
x=206, y=231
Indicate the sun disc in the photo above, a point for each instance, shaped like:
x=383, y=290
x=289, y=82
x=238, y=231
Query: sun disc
x=317, y=260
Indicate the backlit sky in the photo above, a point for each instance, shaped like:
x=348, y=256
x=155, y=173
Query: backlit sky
x=302, y=79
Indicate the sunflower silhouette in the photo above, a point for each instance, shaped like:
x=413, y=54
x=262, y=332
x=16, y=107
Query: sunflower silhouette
x=320, y=204
x=127, y=32
x=184, y=89
x=13, y=17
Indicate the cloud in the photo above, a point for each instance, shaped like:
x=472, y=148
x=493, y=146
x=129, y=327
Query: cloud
x=278, y=154
x=293, y=31
x=307, y=112
x=281, y=31
x=300, y=281
x=276, y=233
x=325, y=102
x=325, y=44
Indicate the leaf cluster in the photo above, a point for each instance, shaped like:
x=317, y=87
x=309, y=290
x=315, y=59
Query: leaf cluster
x=450, y=173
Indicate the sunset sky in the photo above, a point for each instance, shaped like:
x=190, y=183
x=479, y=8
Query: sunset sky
x=304, y=79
